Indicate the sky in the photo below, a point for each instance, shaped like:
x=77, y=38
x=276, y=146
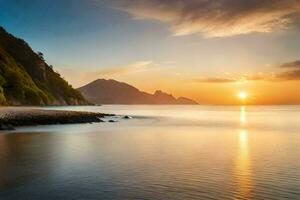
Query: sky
x=207, y=50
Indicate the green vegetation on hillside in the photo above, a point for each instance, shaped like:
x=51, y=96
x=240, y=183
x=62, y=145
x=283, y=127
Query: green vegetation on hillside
x=26, y=79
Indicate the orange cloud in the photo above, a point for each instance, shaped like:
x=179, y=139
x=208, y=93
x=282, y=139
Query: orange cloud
x=240, y=78
x=216, y=80
x=292, y=74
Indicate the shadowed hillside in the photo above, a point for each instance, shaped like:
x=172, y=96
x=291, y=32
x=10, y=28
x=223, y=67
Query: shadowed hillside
x=26, y=79
x=103, y=91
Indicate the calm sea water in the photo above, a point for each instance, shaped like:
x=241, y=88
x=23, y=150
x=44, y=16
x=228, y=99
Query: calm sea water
x=164, y=152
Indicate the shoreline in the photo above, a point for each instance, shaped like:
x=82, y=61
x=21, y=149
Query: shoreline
x=11, y=117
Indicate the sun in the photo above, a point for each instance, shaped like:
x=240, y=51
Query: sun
x=242, y=95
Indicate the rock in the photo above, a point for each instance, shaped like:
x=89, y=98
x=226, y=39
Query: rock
x=2, y=127
x=6, y=127
x=10, y=117
x=112, y=121
x=10, y=127
x=99, y=119
x=127, y=117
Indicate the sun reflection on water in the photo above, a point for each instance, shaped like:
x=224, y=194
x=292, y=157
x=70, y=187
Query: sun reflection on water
x=243, y=171
x=243, y=116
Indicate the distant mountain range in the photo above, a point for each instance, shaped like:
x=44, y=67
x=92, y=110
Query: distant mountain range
x=104, y=91
x=26, y=79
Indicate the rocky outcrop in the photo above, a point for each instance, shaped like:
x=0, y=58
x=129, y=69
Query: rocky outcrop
x=11, y=118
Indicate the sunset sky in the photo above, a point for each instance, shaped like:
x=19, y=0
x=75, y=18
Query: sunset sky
x=208, y=50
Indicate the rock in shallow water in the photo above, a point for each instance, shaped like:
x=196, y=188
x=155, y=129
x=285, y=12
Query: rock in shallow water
x=10, y=117
x=6, y=127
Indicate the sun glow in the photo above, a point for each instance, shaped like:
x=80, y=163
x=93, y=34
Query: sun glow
x=242, y=95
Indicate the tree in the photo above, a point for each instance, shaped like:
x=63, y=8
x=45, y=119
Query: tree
x=41, y=55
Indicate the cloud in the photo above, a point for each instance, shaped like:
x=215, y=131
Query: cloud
x=289, y=75
x=216, y=80
x=295, y=64
x=78, y=78
x=132, y=68
x=216, y=18
x=235, y=79
x=292, y=74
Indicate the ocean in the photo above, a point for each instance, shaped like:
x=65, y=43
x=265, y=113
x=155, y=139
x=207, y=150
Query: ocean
x=162, y=152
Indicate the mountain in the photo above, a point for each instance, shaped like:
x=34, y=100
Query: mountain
x=26, y=79
x=104, y=91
